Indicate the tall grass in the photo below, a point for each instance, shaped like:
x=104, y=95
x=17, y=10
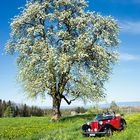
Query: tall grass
x=69, y=128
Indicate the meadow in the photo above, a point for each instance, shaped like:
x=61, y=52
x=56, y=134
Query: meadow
x=69, y=128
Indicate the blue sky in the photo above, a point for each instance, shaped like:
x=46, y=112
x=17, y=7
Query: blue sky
x=124, y=84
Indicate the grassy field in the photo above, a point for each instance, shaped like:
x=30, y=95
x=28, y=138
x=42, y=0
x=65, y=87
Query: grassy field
x=41, y=128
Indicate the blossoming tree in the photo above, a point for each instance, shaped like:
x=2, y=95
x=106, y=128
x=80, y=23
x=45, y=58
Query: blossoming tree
x=63, y=51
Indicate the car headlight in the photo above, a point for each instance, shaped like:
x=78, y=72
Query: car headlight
x=95, y=129
x=100, y=122
x=89, y=129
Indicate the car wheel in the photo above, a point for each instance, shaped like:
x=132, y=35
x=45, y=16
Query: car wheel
x=109, y=132
x=123, y=124
x=85, y=128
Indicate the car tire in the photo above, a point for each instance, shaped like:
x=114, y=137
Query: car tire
x=123, y=124
x=109, y=132
x=85, y=127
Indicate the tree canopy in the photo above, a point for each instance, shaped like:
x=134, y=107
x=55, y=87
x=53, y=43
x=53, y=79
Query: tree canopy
x=63, y=50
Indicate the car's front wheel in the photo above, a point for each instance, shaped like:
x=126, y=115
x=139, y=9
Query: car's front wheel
x=109, y=132
x=85, y=128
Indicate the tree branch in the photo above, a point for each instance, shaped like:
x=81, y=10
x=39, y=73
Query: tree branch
x=69, y=101
x=28, y=23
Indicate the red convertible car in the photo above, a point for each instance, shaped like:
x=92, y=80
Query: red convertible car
x=104, y=124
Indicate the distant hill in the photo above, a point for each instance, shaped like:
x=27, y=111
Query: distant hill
x=128, y=103
x=122, y=104
x=103, y=105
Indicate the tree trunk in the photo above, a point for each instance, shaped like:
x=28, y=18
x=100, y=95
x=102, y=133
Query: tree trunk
x=56, y=108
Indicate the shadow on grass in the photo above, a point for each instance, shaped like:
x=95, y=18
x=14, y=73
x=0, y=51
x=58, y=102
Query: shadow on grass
x=83, y=116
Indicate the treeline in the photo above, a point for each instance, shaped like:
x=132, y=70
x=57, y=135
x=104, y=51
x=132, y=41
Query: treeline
x=10, y=109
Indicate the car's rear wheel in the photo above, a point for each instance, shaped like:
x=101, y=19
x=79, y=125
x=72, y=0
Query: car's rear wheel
x=109, y=132
x=123, y=124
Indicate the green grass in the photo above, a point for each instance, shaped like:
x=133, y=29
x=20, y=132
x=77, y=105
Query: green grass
x=69, y=128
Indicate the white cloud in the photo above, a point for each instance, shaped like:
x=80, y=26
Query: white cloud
x=129, y=57
x=130, y=26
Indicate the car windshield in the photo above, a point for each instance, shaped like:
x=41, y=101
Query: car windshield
x=104, y=117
